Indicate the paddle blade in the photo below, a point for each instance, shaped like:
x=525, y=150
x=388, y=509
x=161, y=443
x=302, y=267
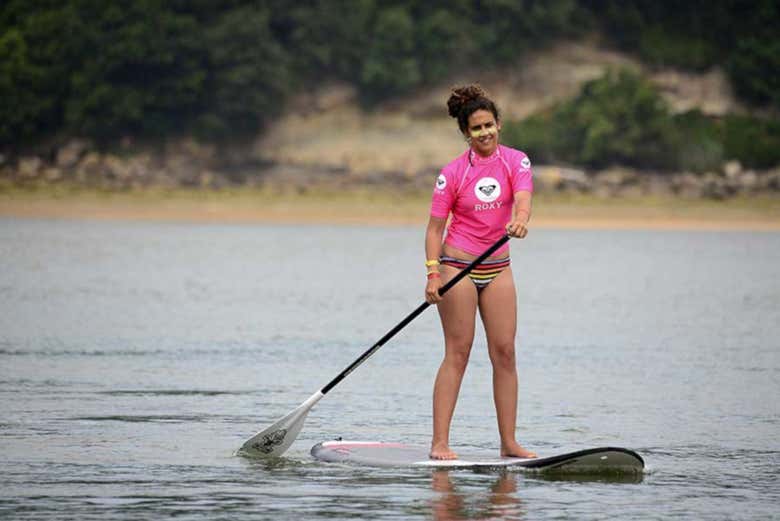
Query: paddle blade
x=276, y=439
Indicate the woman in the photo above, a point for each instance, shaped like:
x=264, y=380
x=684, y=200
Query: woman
x=487, y=189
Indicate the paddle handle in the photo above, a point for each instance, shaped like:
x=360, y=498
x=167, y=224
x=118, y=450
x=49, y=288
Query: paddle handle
x=411, y=316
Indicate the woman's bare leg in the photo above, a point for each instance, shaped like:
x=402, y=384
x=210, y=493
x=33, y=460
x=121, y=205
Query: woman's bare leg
x=457, y=312
x=498, y=309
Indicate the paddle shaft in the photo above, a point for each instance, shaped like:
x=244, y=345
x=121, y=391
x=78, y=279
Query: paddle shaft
x=402, y=324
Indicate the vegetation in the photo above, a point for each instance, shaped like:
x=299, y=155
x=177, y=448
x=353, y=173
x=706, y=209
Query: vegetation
x=621, y=118
x=618, y=118
x=223, y=70
x=741, y=35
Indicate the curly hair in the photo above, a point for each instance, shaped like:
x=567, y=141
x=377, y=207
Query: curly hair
x=464, y=101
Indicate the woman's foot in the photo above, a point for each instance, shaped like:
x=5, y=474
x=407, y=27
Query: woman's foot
x=514, y=450
x=442, y=451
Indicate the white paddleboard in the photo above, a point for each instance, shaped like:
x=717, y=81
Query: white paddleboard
x=383, y=454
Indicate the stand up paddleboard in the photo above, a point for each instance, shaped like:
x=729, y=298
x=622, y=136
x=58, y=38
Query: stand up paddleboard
x=381, y=454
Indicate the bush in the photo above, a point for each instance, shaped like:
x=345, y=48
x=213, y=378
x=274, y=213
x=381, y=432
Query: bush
x=698, y=142
x=755, y=142
x=705, y=142
x=619, y=118
x=535, y=135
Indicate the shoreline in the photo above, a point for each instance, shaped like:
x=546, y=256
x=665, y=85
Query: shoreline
x=552, y=211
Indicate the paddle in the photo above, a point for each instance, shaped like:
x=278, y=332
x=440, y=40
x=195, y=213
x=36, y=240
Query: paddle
x=276, y=439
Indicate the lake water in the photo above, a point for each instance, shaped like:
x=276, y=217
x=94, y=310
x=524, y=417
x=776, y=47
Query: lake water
x=135, y=358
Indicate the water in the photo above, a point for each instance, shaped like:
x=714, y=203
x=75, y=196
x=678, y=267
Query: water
x=136, y=357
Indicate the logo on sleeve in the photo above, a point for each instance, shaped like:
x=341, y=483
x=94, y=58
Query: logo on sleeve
x=441, y=182
x=487, y=190
x=525, y=162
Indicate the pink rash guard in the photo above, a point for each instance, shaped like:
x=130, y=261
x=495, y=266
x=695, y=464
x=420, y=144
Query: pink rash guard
x=479, y=191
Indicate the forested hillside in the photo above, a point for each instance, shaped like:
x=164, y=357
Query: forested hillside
x=220, y=70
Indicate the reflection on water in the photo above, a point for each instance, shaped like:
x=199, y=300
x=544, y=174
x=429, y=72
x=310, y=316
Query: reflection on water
x=457, y=498
x=596, y=477
x=501, y=501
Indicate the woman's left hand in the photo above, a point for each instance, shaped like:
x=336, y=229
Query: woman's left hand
x=517, y=228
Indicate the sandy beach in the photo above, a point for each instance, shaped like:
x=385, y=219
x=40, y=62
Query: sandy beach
x=361, y=208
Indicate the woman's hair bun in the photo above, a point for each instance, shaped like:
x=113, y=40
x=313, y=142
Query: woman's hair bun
x=461, y=96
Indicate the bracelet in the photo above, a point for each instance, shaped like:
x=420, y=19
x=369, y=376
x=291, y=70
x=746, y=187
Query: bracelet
x=431, y=271
x=433, y=275
x=431, y=262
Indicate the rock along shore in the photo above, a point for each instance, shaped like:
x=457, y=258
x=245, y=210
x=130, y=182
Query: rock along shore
x=188, y=164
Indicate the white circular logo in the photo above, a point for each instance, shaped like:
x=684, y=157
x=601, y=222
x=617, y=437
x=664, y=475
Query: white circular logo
x=487, y=190
x=525, y=162
x=441, y=182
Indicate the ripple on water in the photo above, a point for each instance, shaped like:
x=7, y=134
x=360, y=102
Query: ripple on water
x=136, y=358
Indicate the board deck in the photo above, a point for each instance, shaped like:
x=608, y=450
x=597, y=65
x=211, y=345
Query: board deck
x=383, y=454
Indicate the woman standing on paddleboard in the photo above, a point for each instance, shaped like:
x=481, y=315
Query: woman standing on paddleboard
x=487, y=189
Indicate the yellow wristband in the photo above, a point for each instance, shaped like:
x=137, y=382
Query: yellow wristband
x=431, y=262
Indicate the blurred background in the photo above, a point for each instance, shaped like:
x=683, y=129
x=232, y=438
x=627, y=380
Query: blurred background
x=608, y=98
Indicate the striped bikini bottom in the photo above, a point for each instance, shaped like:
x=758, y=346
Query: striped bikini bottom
x=482, y=274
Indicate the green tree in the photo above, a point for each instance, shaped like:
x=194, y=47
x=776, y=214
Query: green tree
x=505, y=29
x=39, y=46
x=329, y=38
x=23, y=109
x=391, y=64
x=755, y=70
x=755, y=142
x=156, y=68
x=248, y=75
x=442, y=36
x=144, y=74
x=740, y=35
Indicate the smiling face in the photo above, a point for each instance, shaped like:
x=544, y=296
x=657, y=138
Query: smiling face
x=482, y=132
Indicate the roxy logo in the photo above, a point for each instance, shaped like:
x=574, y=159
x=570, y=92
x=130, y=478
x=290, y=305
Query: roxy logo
x=441, y=182
x=487, y=190
x=487, y=206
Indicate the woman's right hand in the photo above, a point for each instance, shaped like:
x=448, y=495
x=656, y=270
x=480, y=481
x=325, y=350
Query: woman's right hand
x=432, y=290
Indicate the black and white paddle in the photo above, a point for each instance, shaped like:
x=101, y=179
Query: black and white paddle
x=276, y=439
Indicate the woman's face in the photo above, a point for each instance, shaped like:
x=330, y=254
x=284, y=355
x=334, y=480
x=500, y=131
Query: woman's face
x=482, y=132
